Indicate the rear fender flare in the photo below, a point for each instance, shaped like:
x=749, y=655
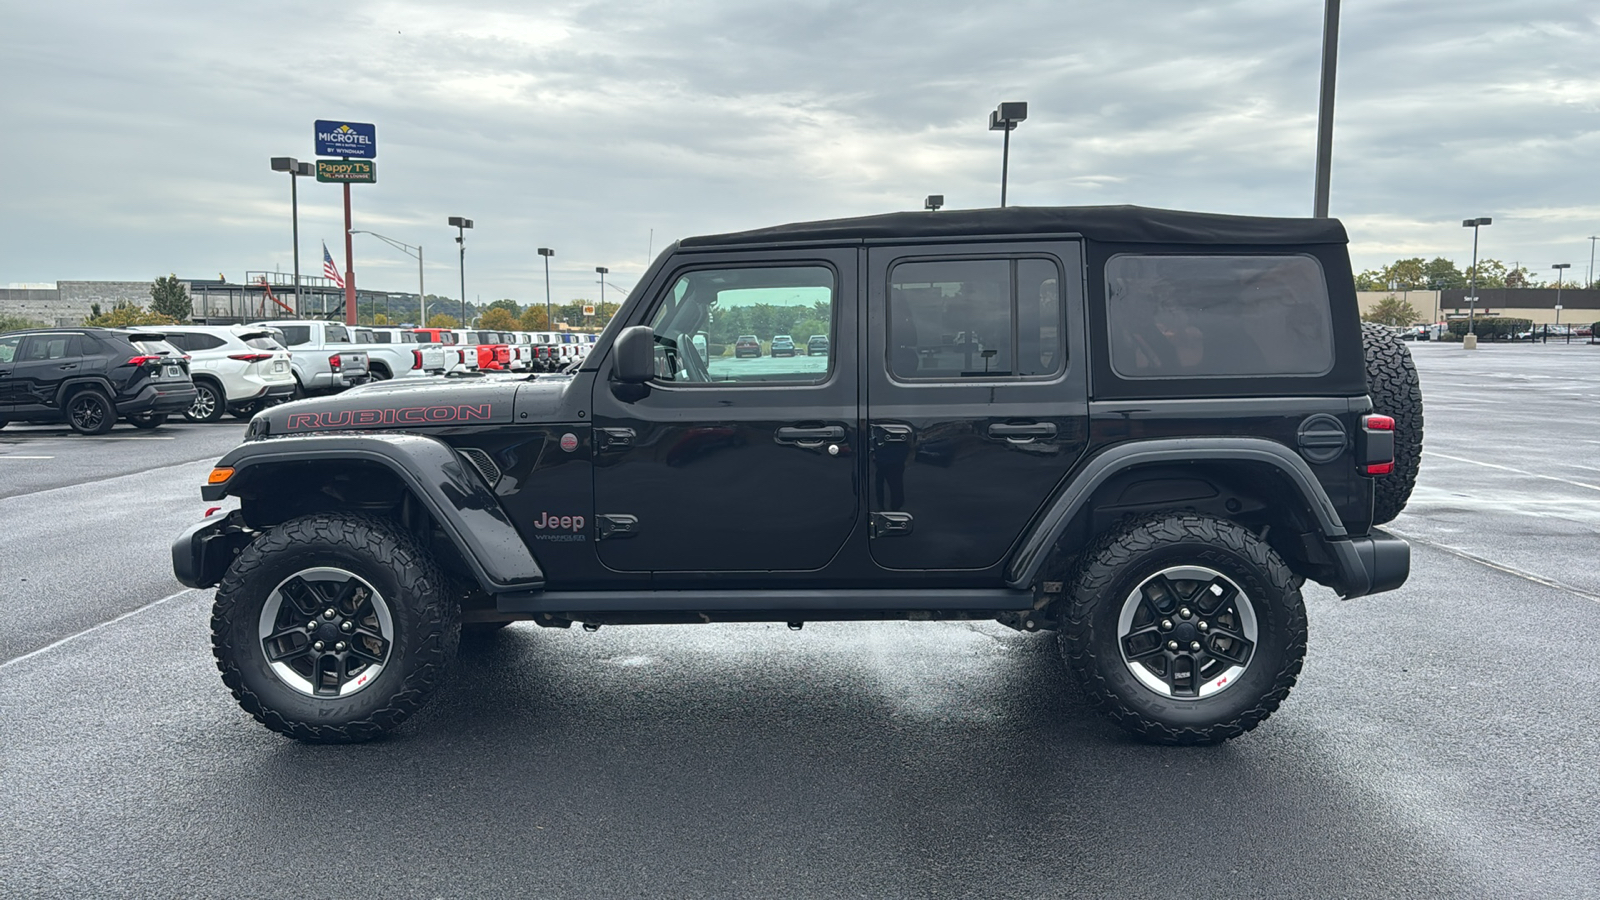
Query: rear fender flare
x=71, y=385
x=1047, y=529
x=465, y=508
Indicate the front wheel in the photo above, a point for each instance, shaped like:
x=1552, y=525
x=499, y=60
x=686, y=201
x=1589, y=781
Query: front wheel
x=334, y=628
x=1184, y=629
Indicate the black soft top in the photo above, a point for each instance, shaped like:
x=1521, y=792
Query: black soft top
x=1111, y=224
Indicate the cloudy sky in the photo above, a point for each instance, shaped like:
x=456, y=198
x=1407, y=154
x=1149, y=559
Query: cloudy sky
x=135, y=137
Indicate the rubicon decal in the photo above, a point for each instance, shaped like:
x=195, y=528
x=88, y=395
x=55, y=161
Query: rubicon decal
x=561, y=523
x=408, y=415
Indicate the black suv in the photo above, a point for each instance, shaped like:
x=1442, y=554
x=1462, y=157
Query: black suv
x=90, y=377
x=1143, y=429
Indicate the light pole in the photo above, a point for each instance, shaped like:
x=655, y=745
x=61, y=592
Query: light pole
x=1469, y=341
x=1005, y=118
x=296, y=170
x=1559, y=267
x=603, y=272
x=1590, y=282
x=935, y=201
x=1330, y=56
x=461, y=225
x=546, y=252
x=407, y=249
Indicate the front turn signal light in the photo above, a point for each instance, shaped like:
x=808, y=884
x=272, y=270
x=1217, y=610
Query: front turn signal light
x=220, y=474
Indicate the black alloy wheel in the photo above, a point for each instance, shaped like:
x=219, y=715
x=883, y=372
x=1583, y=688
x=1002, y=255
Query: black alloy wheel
x=334, y=627
x=147, y=421
x=208, y=405
x=90, y=412
x=1184, y=628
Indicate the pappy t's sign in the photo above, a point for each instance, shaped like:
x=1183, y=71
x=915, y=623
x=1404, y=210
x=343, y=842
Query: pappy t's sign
x=358, y=140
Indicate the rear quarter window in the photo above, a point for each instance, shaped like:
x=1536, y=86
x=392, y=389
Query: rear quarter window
x=1218, y=316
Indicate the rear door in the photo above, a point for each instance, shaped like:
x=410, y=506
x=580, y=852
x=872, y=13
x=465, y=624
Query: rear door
x=43, y=362
x=9, y=344
x=977, y=397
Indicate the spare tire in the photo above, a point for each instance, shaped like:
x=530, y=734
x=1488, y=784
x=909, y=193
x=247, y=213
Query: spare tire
x=1395, y=391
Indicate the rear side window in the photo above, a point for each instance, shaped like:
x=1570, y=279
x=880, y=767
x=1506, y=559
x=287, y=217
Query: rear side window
x=295, y=335
x=335, y=334
x=1218, y=316
x=974, y=318
x=193, y=341
x=49, y=346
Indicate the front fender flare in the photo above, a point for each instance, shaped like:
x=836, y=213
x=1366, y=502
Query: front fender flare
x=465, y=508
x=1356, y=577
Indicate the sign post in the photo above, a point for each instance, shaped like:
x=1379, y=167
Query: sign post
x=349, y=141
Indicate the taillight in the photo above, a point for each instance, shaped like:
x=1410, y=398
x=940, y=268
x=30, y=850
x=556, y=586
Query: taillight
x=1377, y=454
x=250, y=357
x=335, y=362
x=144, y=360
x=416, y=359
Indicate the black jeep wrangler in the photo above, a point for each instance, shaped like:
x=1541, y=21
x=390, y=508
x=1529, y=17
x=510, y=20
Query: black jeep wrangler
x=1140, y=428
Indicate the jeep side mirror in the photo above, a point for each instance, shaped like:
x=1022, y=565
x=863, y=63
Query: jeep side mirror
x=634, y=355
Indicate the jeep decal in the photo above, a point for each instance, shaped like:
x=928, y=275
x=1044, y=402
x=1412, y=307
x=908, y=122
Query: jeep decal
x=408, y=415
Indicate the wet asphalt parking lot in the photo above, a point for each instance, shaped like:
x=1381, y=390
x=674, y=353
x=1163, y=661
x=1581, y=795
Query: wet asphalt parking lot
x=1442, y=740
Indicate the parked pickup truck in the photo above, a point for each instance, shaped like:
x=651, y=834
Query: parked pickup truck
x=324, y=356
x=396, y=353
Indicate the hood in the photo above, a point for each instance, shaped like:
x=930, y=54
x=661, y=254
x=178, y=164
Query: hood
x=407, y=404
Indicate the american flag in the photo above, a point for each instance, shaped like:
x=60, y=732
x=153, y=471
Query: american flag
x=329, y=269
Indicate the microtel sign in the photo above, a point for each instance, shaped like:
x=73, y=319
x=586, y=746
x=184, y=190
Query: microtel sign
x=353, y=139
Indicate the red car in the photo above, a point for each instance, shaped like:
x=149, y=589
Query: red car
x=494, y=355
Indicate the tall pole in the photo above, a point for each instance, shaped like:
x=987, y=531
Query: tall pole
x=1005, y=165
x=294, y=205
x=422, y=297
x=461, y=238
x=1590, y=282
x=547, y=286
x=349, y=264
x=1560, y=270
x=1472, y=283
x=1330, y=57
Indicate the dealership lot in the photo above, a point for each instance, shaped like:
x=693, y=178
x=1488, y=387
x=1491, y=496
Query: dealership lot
x=1440, y=741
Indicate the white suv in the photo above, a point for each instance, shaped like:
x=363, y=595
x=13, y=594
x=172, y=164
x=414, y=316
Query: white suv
x=236, y=368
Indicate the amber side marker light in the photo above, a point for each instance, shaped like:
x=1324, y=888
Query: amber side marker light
x=220, y=474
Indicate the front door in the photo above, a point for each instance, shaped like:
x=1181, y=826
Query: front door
x=727, y=463
x=977, y=396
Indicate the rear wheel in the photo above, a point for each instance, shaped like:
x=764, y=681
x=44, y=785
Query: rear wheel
x=334, y=628
x=209, y=403
x=1184, y=629
x=90, y=412
x=1397, y=393
x=147, y=421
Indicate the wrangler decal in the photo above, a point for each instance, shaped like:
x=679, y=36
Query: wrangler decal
x=410, y=415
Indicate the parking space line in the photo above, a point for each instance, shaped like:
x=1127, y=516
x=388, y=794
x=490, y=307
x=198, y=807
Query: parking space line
x=93, y=628
x=26, y=457
x=1427, y=453
x=1473, y=557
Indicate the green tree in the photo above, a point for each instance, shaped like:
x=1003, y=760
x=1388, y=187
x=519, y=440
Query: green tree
x=533, y=319
x=510, y=306
x=1391, y=310
x=9, y=322
x=168, y=298
x=125, y=314
x=1490, y=273
x=1442, y=275
x=498, y=318
x=440, y=320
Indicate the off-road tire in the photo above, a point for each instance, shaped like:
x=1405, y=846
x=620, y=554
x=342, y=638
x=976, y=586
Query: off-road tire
x=1118, y=562
x=147, y=421
x=107, y=413
x=217, y=406
x=427, y=626
x=1396, y=392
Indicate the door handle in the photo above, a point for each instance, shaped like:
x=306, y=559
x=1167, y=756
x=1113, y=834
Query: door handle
x=68, y=366
x=810, y=437
x=1023, y=434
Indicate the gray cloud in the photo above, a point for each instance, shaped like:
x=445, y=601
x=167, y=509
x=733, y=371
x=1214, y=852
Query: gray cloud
x=136, y=136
